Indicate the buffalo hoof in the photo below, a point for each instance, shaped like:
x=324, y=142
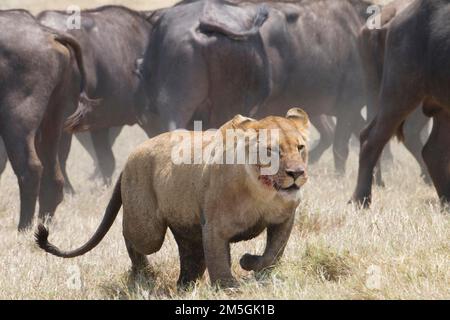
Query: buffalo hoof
x=360, y=202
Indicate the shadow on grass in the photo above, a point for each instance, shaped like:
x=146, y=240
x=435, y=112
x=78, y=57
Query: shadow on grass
x=141, y=286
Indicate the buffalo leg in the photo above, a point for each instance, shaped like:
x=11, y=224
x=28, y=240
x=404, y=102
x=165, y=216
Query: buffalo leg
x=325, y=127
x=114, y=133
x=340, y=146
x=436, y=154
x=387, y=152
x=20, y=145
x=104, y=153
x=64, y=150
x=413, y=141
x=85, y=139
x=52, y=182
x=345, y=126
x=394, y=109
x=277, y=238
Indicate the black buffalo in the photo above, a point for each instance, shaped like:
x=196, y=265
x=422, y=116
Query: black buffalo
x=372, y=47
x=416, y=71
x=41, y=77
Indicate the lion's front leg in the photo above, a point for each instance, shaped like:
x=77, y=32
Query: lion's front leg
x=217, y=256
x=277, y=238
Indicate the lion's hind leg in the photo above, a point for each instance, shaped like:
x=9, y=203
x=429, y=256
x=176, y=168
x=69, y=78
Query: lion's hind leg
x=139, y=261
x=144, y=234
x=144, y=228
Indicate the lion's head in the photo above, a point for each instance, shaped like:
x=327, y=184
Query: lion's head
x=282, y=153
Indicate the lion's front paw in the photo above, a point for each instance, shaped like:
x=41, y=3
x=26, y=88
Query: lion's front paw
x=250, y=262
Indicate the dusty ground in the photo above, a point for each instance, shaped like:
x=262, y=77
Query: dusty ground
x=398, y=249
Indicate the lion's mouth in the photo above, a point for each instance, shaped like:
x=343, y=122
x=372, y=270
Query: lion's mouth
x=292, y=188
x=272, y=184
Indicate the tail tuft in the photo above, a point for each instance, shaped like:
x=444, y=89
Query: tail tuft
x=41, y=237
x=77, y=121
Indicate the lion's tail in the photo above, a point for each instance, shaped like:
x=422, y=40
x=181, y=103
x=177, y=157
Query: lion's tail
x=111, y=212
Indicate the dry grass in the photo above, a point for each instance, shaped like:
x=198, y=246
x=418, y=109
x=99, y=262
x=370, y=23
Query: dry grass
x=400, y=249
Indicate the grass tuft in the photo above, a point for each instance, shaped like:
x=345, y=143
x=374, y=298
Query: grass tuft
x=325, y=263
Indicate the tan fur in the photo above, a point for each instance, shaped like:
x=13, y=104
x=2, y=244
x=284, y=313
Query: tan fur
x=158, y=194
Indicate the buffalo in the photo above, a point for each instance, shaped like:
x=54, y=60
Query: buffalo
x=42, y=79
x=372, y=47
x=416, y=58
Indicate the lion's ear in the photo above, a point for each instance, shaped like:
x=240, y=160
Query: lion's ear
x=300, y=118
x=240, y=120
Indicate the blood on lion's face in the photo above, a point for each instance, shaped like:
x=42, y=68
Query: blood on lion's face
x=282, y=158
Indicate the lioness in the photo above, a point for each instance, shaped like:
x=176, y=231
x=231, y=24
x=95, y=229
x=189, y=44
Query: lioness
x=208, y=205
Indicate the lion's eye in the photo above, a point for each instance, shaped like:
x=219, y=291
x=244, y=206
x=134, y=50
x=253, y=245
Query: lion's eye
x=271, y=151
x=301, y=148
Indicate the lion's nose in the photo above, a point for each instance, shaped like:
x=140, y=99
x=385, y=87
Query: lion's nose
x=295, y=173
